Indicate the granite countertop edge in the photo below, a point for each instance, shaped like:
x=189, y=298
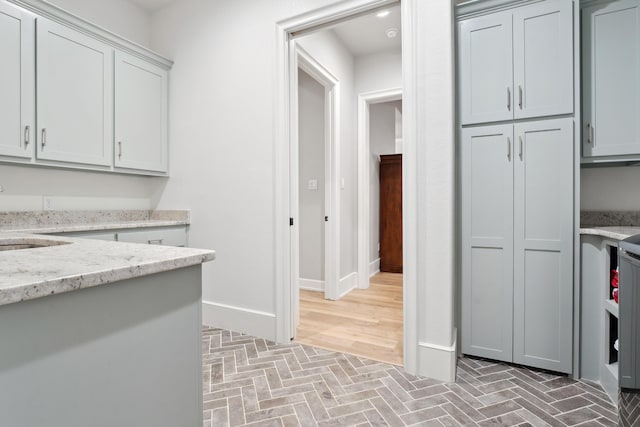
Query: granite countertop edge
x=28, y=274
x=611, y=232
x=69, y=228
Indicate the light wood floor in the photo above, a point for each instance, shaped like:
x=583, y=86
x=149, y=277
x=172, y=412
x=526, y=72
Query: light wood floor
x=366, y=322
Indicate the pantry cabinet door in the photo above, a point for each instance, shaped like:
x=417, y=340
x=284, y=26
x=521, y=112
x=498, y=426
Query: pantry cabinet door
x=141, y=114
x=487, y=241
x=486, y=70
x=543, y=59
x=611, y=89
x=17, y=82
x=75, y=96
x=543, y=244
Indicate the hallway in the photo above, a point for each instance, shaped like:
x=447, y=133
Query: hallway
x=366, y=322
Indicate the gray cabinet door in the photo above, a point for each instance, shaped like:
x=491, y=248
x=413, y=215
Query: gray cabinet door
x=140, y=114
x=486, y=69
x=543, y=59
x=74, y=97
x=17, y=82
x=487, y=241
x=543, y=244
x=611, y=89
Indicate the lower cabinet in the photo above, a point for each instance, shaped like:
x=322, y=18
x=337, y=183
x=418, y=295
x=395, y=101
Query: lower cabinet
x=517, y=243
x=167, y=236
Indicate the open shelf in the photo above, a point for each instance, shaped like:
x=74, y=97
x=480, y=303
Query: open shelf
x=612, y=307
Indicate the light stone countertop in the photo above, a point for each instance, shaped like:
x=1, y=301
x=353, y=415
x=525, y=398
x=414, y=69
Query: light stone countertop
x=43, y=222
x=612, y=232
x=33, y=273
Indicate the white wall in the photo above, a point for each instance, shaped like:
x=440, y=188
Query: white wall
x=24, y=187
x=311, y=167
x=610, y=188
x=378, y=71
x=122, y=17
x=382, y=137
x=329, y=51
x=222, y=146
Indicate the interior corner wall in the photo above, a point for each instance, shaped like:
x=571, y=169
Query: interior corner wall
x=326, y=48
x=382, y=137
x=311, y=141
x=25, y=186
x=378, y=71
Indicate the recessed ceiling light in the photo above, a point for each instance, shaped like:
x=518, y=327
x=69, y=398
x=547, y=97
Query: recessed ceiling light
x=383, y=14
x=392, y=33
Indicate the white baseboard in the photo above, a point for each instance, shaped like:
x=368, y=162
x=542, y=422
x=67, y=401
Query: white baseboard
x=311, y=285
x=437, y=361
x=347, y=284
x=374, y=267
x=251, y=322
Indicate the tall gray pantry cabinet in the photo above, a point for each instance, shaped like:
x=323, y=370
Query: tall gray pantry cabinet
x=516, y=147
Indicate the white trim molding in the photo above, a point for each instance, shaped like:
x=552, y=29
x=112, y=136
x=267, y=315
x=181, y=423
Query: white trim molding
x=364, y=197
x=311, y=285
x=438, y=361
x=347, y=284
x=374, y=267
x=251, y=322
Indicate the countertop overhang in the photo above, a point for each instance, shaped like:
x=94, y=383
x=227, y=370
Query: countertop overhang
x=611, y=232
x=27, y=274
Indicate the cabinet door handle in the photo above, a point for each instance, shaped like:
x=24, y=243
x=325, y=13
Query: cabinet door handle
x=589, y=133
x=44, y=137
x=521, y=146
x=27, y=132
x=508, y=148
x=119, y=149
x=520, y=96
x=155, y=242
x=508, y=98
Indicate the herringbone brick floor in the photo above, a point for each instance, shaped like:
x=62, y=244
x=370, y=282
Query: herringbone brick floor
x=250, y=381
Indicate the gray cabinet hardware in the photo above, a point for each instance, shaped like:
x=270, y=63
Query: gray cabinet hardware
x=44, y=137
x=26, y=136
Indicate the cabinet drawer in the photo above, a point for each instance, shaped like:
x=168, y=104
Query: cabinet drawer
x=170, y=236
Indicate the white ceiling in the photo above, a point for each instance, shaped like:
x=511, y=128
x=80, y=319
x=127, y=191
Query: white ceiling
x=152, y=5
x=362, y=36
x=367, y=34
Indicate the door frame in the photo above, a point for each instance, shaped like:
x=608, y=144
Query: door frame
x=412, y=132
x=304, y=61
x=365, y=100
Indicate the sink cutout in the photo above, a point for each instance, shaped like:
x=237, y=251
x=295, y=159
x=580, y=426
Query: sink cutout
x=14, y=244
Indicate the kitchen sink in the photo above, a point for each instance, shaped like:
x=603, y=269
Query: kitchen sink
x=14, y=244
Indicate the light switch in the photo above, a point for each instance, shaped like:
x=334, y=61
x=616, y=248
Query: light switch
x=312, y=184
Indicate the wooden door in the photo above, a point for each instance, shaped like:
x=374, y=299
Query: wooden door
x=611, y=90
x=487, y=157
x=391, y=213
x=75, y=96
x=543, y=244
x=17, y=82
x=140, y=114
x=543, y=59
x=486, y=69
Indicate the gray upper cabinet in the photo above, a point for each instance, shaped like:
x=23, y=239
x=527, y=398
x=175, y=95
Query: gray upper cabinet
x=611, y=90
x=486, y=74
x=17, y=82
x=487, y=241
x=543, y=59
x=140, y=114
x=543, y=244
x=75, y=96
x=517, y=64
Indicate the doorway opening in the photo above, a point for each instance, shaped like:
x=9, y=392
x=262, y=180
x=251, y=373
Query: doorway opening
x=342, y=101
